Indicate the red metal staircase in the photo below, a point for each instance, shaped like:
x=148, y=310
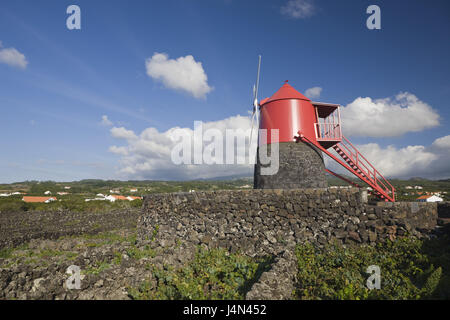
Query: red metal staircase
x=329, y=135
x=362, y=168
x=357, y=164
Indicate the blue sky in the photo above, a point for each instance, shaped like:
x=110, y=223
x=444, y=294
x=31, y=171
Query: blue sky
x=51, y=109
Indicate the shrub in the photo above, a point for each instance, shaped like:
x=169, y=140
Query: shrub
x=214, y=274
x=407, y=270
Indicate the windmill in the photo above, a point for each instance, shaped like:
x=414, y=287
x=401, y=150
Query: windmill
x=308, y=130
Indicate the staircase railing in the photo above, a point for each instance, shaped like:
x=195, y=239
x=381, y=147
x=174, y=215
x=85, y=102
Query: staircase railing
x=357, y=164
x=365, y=166
x=328, y=131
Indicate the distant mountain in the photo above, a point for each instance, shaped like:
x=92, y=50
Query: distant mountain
x=417, y=179
x=228, y=178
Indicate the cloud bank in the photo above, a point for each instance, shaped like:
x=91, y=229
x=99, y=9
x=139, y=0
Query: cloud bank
x=387, y=117
x=184, y=74
x=148, y=155
x=431, y=161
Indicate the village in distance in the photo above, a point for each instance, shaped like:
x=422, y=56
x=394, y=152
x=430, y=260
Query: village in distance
x=93, y=193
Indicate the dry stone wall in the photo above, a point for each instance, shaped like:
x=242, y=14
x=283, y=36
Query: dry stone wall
x=265, y=222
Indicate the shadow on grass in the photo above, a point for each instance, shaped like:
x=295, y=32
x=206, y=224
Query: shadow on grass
x=437, y=252
x=263, y=266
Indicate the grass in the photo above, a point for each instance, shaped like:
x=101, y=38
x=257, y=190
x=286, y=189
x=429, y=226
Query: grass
x=97, y=268
x=73, y=203
x=24, y=255
x=6, y=253
x=140, y=253
x=103, y=238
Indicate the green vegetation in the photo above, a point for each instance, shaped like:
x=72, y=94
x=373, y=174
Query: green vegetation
x=23, y=255
x=214, y=274
x=410, y=269
x=88, y=189
x=6, y=253
x=138, y=253
x=103, y=238
x=71, y=203
x=93, y=187
x=97, y=268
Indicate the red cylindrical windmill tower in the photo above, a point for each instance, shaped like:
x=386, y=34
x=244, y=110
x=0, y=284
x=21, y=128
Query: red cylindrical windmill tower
x=300, y=165
x=307, y=130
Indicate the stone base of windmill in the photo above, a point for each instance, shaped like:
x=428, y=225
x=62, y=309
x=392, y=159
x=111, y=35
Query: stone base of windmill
x=300, y=166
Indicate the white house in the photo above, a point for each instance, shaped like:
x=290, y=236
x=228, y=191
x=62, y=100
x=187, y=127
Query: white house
x=95, y=199
x=47, y=192
x=429, y=198
x=114, y=198
x=110, y=198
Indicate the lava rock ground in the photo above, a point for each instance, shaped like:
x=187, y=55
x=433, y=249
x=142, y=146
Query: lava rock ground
x=110, y=264
x=36, y=248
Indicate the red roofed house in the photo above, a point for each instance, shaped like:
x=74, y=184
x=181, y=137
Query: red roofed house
x=38, y=199
x=429, y=198
x=131, y=198
x=114, y=198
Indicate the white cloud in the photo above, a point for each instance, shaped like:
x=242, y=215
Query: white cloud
x=313, y=93
x=12, y=57
x=148, y=155
x=402, y=162
x=183, y=73
x=105, y=121
x=387, y=117
x=118, y=150
x=298, y=9
x=442, y=143
x=411, y=161
x=122, y=133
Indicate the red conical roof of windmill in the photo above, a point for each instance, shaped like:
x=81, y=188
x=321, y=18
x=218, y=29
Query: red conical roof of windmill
x=285, y=92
